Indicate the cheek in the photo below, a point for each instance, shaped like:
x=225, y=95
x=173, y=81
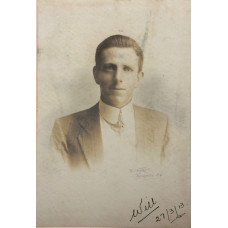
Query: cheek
x=132, y=81
x=105, y=83
x=105, y=79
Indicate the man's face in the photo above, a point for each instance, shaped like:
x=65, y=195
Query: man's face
x=118, y=75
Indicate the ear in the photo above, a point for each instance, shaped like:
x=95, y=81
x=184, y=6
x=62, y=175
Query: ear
x=139, y=78
x=95, y=75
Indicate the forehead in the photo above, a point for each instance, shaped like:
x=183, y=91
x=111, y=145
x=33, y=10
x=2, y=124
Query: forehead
x=118, y=55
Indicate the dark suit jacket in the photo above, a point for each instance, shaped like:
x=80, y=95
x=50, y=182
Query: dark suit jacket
x=78, y=136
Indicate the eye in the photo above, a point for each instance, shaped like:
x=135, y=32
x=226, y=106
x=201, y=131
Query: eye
x=127, y=69
x=109, y=68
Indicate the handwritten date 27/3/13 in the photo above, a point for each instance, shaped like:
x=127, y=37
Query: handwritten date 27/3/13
x=149, y=205
x=171, y=214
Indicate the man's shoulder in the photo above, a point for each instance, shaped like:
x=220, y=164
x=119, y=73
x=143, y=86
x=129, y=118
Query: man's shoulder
x=150, y=114
x=78, y=116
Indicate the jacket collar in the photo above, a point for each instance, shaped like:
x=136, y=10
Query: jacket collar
x=90, y=136
x=144, y=131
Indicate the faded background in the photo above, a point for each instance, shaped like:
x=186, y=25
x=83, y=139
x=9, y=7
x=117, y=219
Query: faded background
x=68, y=34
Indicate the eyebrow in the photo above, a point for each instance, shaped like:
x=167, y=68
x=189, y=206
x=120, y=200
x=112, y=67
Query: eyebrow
x=114, y=65
x=109, y=64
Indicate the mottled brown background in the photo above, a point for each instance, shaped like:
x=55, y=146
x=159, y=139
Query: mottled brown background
x=68, y=34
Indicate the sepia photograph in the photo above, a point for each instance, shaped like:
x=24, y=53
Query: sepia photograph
x=114, y=124
x=113, y=113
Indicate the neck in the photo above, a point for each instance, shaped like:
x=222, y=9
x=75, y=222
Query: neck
x=121, y=105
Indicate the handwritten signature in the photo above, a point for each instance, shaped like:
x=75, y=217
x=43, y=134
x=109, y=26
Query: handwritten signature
x=150, y=205
x=144, y=207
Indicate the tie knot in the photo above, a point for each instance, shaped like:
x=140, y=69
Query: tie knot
x=120, y=122
x=119, y=125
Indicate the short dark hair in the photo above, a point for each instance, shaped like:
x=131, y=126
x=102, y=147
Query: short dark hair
x=122, y=42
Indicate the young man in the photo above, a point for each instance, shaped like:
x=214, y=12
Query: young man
x=114, y=131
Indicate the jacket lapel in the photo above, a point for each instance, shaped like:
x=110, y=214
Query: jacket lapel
x=90, y=139
x=144, y=132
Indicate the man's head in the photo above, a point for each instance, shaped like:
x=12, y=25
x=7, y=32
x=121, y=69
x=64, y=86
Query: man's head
x=118, y=69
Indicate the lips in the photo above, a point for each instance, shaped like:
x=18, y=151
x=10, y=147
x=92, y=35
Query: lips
x=117, y=88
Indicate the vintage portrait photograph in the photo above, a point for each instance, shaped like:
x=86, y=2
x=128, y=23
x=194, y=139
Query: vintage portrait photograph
x=113, y=113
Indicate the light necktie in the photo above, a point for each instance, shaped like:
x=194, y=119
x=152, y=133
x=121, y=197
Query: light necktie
x=119, y=126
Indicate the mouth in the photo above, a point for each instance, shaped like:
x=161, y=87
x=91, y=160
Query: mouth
x=117, y=89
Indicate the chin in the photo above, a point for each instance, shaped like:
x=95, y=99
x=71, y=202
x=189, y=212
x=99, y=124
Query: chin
x=118, y=102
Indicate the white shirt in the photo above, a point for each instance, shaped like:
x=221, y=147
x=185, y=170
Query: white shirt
x=119, y=149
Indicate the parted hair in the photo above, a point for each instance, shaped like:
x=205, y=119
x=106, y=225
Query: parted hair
x=122, y=42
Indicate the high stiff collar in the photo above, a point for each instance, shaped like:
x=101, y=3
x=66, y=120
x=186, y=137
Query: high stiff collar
x=111, y=114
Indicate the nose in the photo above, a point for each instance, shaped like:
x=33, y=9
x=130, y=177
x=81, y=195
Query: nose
x=118, y=75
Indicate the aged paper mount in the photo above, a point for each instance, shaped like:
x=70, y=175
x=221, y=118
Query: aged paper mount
x=113, y=119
